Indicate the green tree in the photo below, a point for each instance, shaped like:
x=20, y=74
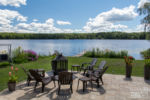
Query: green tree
x=145, y=10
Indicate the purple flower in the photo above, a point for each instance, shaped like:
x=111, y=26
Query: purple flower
x=31, y=55
x=32, y=59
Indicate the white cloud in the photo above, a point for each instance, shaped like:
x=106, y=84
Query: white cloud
x=13, y=21
x=106, y=21
x=35, y=20
x=7, y=17
x=142, y=2
x=117, y=15
x=137, y=28
x=63, y=22
x=15, y=3
x=46, y=27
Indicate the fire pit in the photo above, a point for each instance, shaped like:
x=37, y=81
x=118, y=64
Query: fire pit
x=59, y=64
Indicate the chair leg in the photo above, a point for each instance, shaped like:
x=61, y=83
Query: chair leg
x=80, y=69
x=43, y=86
x=78, y=84
x=84, y=86
x=54, y=83
x=97, y=83
x=84, y=71
x=28, y=81
x=101, y=80
x=59, y=88
x=71, y=88
x=35, y=85
x=91, y=84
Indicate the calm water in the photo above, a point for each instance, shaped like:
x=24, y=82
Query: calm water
x=74, y=47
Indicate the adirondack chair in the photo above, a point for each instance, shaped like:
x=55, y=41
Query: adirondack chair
x=98, y=75
x=88, y=66
x=30, y=77
x=101, y=66
x=39, y=78
x=65, y=78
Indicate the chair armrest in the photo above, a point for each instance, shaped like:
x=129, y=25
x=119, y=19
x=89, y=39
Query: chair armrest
x=83, y=65
x=41, y=72
x=98, y=70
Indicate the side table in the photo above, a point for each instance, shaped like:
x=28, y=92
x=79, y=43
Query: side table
x=84, y=81
x=77, y=67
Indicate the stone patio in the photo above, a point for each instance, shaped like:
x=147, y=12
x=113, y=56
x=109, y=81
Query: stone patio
x=115, y=87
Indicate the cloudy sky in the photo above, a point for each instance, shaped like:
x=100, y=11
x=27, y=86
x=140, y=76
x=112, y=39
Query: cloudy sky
x=59, y=16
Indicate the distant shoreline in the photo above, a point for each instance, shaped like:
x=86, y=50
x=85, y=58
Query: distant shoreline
x=100, y=35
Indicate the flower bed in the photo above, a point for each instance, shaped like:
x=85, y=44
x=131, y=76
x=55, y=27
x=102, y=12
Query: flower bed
x=20, y=55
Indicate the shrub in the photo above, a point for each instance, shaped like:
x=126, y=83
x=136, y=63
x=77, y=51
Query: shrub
x=21, y=56
x=145, y=54
x=31, y=55
x=3, y=64
x=105, y=53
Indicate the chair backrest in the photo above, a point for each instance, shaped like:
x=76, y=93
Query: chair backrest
x=65, y=77
x=101, y=65
x=103, y=71
x=36, y=75
x=93, y=63
x=27, y=73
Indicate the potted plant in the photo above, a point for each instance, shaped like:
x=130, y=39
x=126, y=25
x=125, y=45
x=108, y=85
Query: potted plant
x=12, y=79
x=147, y=69
x=129, y=63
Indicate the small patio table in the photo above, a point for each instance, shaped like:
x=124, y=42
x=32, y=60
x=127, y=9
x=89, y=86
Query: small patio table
x=84, y=81
x=75, y=66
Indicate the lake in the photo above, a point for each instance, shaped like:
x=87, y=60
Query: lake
x=74, y=47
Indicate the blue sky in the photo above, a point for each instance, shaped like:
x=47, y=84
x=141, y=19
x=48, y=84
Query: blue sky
x=58, y=16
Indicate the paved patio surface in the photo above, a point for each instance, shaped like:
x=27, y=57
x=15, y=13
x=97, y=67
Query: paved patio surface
x=115, y=87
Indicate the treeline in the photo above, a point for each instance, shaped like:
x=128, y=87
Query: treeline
x=101, y=35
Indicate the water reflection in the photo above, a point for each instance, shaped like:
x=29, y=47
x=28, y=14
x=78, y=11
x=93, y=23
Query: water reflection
x=74, y=47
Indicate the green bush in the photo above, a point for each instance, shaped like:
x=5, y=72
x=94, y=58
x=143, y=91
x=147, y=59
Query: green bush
x=105, y=53
x=6, y=63
x=19, y=56
x=146, y=53
x=23, y=56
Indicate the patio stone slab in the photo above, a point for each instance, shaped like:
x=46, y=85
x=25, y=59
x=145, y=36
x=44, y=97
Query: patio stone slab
x=115, y=87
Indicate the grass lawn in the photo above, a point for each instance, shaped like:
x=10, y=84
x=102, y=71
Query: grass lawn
x=116, y=66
